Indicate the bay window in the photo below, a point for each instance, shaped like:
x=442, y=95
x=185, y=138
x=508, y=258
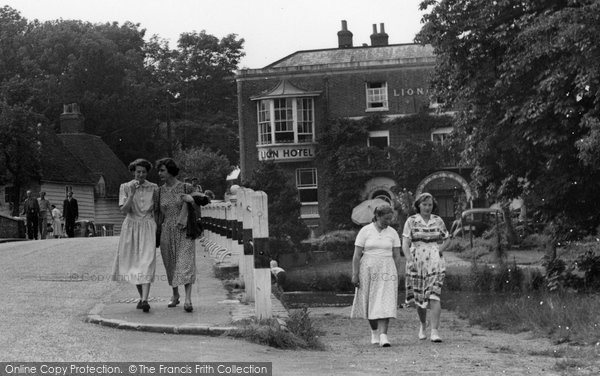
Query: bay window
x=285, y=120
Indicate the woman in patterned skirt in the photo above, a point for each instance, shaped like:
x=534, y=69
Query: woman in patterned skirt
x=177, y=249
x=135, y=261
x=375, y=274
x=423, y=242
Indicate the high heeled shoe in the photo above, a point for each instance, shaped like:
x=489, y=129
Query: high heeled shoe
x=145, y=306
x=173, y=302
x=188, y=307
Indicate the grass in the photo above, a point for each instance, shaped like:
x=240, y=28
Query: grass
x=563, y=317
x=298, y=332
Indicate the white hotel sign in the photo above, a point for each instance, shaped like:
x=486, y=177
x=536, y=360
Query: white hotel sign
x=294, y=152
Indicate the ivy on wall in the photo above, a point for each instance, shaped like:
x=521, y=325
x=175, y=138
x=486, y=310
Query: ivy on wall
x=348, y=163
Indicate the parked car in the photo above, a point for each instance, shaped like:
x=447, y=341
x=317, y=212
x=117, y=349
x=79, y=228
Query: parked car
x=85, y=228
x=476, y=221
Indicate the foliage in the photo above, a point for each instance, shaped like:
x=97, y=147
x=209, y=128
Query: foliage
x=519, y=75
x=284, y=205
x=339, y=243
x=20, y=147
x=580, y=274
x=126, y=87
x=348, y=162
x=209, y=167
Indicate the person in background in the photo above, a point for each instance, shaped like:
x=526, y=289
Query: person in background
x=135, y=260
x=57, y=230
x=424, y=240
x=70, y=213
x=31, y=210
x=375, y=268
x=45, y=213
x=177, y=241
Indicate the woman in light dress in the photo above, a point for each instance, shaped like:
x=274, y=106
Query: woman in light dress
x=56, y=222
x=375, y=267
x=424, y=240
x=177, y=241
x=135, y=261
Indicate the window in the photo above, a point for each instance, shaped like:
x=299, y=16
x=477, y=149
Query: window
x=380, y=139
x=440, y=135
x=285, y=120
x=9, y=194
x=377, y=98
x=306, y=182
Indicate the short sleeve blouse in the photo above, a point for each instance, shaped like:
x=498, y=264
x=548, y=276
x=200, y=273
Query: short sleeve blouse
x=416, y=229
x=377, y=243
x=143, y=202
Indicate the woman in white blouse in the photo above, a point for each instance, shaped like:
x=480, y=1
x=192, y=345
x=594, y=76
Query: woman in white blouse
x=375, y=268
x=135, y=261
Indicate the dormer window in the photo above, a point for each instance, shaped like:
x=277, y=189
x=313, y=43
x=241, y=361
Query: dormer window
x=377, y=96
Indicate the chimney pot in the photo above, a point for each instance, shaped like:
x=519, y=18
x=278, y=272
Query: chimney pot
x=374, y=28
x=381, y=28
x=344, y=25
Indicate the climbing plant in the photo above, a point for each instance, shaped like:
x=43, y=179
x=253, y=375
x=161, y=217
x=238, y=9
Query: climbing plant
x=348, y=162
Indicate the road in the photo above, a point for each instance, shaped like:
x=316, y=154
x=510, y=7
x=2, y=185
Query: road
x=43, y=310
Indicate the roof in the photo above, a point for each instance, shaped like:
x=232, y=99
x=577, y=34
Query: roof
x=343, y=59
x=98, y=158
x=58, y=164
x=286, y=89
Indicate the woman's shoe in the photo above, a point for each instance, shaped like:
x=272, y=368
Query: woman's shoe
x=422, y=333
x=188, y=307
x=173, y=302
x=435, y=337
x=383, y=340
x=374, y=337
x=139, y=304
x=145, y=306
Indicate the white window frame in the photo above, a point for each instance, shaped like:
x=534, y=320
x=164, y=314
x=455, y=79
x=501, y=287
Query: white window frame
x=378, y=134
x=313, y=185
x=376, y=95
x=440, y=135
x=302, y=116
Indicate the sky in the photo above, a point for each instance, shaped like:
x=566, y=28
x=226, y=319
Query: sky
x=272, y=29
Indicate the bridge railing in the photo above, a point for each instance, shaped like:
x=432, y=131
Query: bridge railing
x=238, y=232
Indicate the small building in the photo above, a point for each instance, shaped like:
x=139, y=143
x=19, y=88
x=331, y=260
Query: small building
x=82, y=163
x=283, y=106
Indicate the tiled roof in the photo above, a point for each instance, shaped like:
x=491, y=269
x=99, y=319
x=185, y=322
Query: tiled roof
x=99, y=158
x=58, y=164
x=381, y=54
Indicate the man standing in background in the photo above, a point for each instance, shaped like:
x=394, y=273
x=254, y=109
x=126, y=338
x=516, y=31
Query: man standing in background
x=45, y=210
x=70, y=213
x=31, y=210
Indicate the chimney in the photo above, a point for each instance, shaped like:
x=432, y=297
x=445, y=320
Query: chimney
x=344, y=36
x=381, y=38
x=71, y=120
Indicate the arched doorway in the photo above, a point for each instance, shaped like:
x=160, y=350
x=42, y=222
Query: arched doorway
x=451, y=191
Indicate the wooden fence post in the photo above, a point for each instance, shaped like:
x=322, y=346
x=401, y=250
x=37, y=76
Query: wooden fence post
x=262, y=271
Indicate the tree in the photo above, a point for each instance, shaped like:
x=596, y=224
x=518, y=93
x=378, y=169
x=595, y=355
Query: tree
x=209, y=167
x=20, y=130
x=524, y=78
x=284, y=205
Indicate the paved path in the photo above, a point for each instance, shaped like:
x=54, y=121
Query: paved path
x=49, y=287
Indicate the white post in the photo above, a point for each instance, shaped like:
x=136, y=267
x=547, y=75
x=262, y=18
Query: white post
x=262, y=271
x=244, y=196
